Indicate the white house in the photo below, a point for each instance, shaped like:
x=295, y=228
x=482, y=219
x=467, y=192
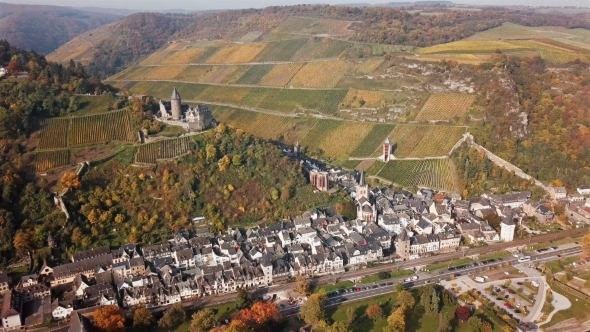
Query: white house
x=61, y=309
x=584, y=190
x=507, y=228
x=11, y=307
x=557, y=192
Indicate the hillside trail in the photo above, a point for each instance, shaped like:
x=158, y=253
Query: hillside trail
x=287, y=87
x=242, y=63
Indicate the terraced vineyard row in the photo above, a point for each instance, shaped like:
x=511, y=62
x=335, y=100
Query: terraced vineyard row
x=90, y=129
x=282, y=100
x=445, y=106
x=151, y=153
x=46, y=160
x=54, y=134
x=415, y=141
x=431, y=173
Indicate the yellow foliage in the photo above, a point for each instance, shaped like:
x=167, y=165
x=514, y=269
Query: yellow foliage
x=281, y=74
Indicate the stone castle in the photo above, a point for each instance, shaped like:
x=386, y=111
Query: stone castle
x=193, y=119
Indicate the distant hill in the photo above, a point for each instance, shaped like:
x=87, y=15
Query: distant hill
x=126, y=11
x=45, y=28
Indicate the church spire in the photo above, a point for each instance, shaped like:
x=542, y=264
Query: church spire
x=362, y=179
x=175, y=94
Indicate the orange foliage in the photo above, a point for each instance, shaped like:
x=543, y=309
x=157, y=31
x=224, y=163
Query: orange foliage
x=109, y=319
x=260, y=313
x=70, y=180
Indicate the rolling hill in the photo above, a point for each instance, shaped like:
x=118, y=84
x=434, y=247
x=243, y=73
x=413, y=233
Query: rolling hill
x=45, y=28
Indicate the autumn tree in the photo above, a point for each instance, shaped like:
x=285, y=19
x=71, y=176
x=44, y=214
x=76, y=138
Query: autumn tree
x=23, y=241
x=374, y=311
x=203, y=320
x=463, y=313
x=109, y=319
x=302, y=286
x=312, y=311
x=223, y=163
x=339, y=326
x=585, y=244
x=406, y=300
x=399, y=287
x=260, y=313
x=142, y=318
x=70, y=180
x=350, y=315
x=174, y=316
x=243, y=299
x=396, y=322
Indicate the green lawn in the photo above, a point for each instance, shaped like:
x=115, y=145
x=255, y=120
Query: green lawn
x=494, y=255
x=171, y=131
x=89, y=105
x=446, y=264
x=560, y=264
x=222, y=311
x=579, y=310
x=361, y=322
x=330, y=288
x=375, y=277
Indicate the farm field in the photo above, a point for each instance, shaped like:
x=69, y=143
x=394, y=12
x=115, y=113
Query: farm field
x=363, y=98
x=515, y=31
x=324, y=74
x=281, y=50
x=112, y=126
x=54, y=134
x=372, y=140
x=153, y=152
x=151, y=73
x=471, y=46
x=46, y=160
x=254, y=74
x=281, y=74
x=65, y=132
x=181, y=56
x=445, y=106
x=294, y=24
x=431, y=173
x=370, y=66
x=237, y=53
x=419, y=141
x=321, y=48
x=275, y=99
x=340, y=143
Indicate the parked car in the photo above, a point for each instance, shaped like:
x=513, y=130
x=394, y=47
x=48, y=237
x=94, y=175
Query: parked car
x=506, y=305
x=506, y=297
x=415, y=278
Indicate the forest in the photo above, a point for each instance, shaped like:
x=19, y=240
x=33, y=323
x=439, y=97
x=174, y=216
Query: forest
x=548, y=137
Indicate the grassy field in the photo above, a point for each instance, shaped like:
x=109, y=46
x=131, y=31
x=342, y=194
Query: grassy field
x=471, y=46
x=88, y=105
x=294, y=24
x=514, y=31
x=580, y=309
x=238, y=53
x=445, y=106
x=432, y=173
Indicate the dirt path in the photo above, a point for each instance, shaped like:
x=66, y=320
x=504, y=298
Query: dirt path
x=242, y=63
x=439, y=322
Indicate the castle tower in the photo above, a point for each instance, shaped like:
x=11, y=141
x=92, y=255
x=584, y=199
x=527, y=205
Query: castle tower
x=386, y=150
x=50, y=241
x=175, y=105
x=297, y=148
x=362, y=189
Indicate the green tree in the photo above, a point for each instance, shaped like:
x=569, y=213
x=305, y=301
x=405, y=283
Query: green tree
x=243, y=299
x=237, y=160
x=174, y=316
x=202, y=320
x=399, y=287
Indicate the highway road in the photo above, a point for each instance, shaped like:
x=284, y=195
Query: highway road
x=387, y=286
x=328, y=279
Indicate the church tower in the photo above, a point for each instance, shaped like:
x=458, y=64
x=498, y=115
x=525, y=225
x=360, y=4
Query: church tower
x=362, y=189
x=297, y=149
x=175, y=105
x=386, y=150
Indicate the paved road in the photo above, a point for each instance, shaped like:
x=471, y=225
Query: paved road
x=387, y=286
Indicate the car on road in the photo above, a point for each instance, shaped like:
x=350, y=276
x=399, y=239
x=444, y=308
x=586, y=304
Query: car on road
x=518, y=305
x=520, y=283
x=499, y=299
x=507, y=305
x=358, y=289
x=415, y=278
x=506, y=297
x=381, y=285
x=389, y=283
x=407, y=280
x=517, y=311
